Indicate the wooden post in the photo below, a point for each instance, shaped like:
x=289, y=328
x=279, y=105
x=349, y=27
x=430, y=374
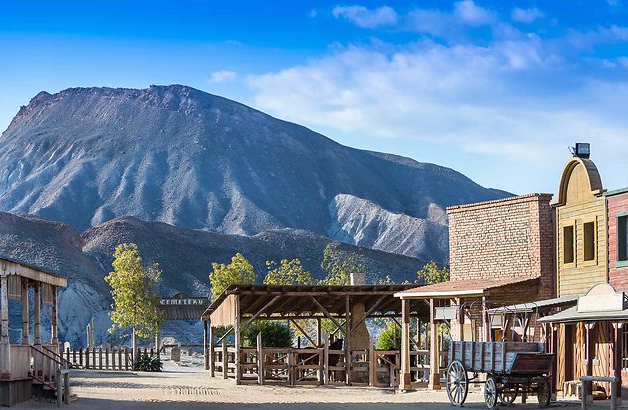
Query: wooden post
x=126, y=358
x=260, y=360
x=54, y=332
x=25, y=335
x=225, y=361
x=372, y=364
x=158, y=339
x=120, y=359
x=319, y=333
x=434, y=382
x=348, y=358
x=87, y=357
x=106, y=358
x=37, y=312
x=291, y=368
x=212, y=352
x=205, y=350
x=405, y=382
x=238, y=341
x=618, y=343
x=486, y=331
x=326, y=362
x=5, y=358
x=99, y=358
x=59, y=387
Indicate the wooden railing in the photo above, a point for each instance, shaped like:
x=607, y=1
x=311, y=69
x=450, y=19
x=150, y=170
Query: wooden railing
x=98, y=358
x=317, y=366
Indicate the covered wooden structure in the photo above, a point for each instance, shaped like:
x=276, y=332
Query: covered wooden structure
x=462, y=304
x=17, y=378
x=353, y=361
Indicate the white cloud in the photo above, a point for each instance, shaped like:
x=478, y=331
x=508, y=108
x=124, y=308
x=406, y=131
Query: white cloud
x=367, y=18
x=526, y=16
x=496, y=100
x=222, y=76
x=470, y=13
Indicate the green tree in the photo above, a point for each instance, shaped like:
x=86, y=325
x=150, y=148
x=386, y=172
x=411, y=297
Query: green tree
x=389, y=338
x=133, y=290
x=339, y=265
x=431, y=273
x=238, y=271
x=274, y=334
x=289, y=272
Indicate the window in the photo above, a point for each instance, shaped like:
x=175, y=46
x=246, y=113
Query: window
x=622, y=238
x=568, y=251
x=589, y=241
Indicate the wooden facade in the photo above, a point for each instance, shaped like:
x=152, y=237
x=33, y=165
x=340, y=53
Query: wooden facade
x=581, y=229
x=31, y=366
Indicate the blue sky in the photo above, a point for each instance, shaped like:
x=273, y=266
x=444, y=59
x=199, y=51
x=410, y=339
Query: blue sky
x=497, y=90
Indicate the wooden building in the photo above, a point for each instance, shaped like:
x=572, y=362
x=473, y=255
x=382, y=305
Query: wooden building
x=19, y=380
x=501, y=252
x=348, y=359
x=581, y=228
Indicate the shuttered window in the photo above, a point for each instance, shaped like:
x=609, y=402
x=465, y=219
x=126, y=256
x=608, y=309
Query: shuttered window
x=622, y=238
x=568, y=248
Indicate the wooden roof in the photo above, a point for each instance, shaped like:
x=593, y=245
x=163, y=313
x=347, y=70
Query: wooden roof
x=10, y=267
x=464, y=288
x=300, y=301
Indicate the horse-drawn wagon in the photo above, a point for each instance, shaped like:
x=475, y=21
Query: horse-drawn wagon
x=510, y=368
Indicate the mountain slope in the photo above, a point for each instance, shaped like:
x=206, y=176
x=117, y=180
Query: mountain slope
x=185, y=256
x=178, y=155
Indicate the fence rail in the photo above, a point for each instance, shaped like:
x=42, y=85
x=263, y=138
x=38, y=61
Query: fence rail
x=294, y=366
x=99, y=358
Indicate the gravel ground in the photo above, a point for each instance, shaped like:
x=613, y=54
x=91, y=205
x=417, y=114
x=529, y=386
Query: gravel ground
x=187, y=387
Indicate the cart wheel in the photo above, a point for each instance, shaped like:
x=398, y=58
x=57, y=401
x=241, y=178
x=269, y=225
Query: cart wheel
x=457, y=383
x=508, y=394
x=543, y=394
x=490, y=392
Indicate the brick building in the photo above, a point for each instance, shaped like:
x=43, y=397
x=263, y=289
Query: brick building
x=506, y=238
x=617, y=214
x=501, y=252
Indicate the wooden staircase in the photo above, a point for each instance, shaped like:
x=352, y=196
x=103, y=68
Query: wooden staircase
x=50, y=374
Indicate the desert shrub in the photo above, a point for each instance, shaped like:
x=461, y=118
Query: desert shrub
x=148, y=363
x=274, y=334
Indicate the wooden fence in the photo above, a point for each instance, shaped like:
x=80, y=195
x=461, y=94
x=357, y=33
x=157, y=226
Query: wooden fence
x=99, y=358
x=294, y=366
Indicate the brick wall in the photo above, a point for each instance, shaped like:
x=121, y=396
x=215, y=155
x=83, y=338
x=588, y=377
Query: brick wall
x=616, y=204
x=506, y=238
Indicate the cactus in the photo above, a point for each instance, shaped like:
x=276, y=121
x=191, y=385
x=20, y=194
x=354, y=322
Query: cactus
x=91, y=333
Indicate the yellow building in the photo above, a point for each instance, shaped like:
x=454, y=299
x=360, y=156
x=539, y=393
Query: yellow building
x=581, y=228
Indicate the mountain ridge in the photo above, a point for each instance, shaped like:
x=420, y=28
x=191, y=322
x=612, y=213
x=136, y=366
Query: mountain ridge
x=84, y=156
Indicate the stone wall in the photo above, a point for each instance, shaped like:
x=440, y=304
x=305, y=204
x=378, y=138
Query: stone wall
x=506, y=238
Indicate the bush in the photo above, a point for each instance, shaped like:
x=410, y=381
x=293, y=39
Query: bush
x=389, y=338
x=274, y=334
x=148, y=363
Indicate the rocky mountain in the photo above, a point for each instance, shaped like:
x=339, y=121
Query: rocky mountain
x=174, y=154
x=185, y=256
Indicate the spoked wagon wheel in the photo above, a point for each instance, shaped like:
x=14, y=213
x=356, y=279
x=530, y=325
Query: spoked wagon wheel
x=490, y=392
x=508, y=394
x=543, y=394
x=457, y=383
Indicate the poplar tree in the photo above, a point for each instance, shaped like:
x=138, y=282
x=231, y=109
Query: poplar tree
x=288, y=272
x=133, y=290
x=239, y=271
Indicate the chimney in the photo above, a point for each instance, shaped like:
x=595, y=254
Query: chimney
x=358, y=279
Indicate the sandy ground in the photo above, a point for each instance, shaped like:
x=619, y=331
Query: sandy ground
x=188, y=387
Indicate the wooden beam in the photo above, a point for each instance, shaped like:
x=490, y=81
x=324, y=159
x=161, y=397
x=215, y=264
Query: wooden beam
x=238, y=342
x=325, y=312
x=25, y=326
x=348, y=357
x=37, y=313
x=5, y=347
x=231, y=329
x=367, y=313
x=303, y=332
x=405, y=383
x=259, y=312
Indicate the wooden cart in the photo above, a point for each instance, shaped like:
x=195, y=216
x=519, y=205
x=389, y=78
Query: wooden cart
x=510, y=368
